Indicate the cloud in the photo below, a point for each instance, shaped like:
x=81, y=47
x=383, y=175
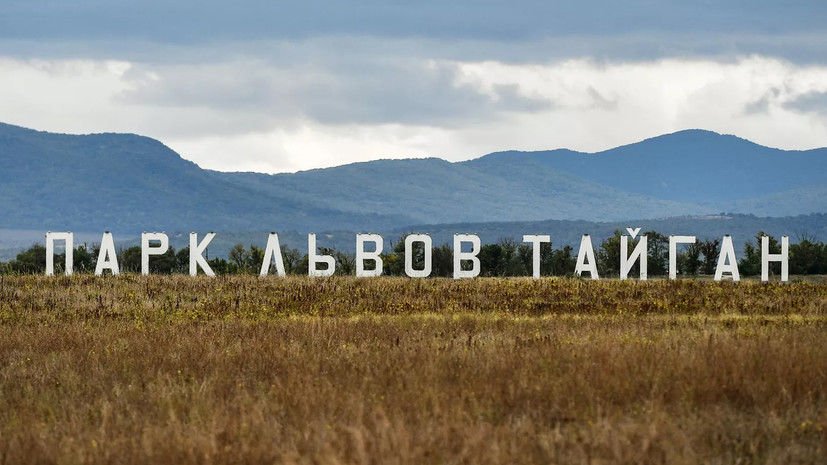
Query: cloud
x=194, y=21
x=356, y=91
x=287, y=114
x=153, y=31
x=762, y=105
x=810, y=102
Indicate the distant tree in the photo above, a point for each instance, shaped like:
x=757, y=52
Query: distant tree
x=83, y=260
x=807, y=256
x=182, y=261
x=292, y=260
x=256, y=258
x=513, y=261
x=345, y=262
x=129, y=260
x=710, y=251
x=563, y=261
x=32, y=261
x=220, y=266
x=750, y=263
x=393, y=262
x=658, y=253
x=492, y=260
x=608, y=255
x=442, y=260
x=164, y=263
x=239, y=256
x=689, y=262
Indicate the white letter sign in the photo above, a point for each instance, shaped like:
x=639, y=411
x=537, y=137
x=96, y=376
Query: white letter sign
x=585, y=258
x=673, y=252
x=536, y=240
x=68, y=241
x=471, y=256
x=146, y=250
x=196, y=254
x=107, y=259
x=426, y=245
x=272, y=251
x=727, y=263
x=361, y=255
x=314, y=258
x=767, y=257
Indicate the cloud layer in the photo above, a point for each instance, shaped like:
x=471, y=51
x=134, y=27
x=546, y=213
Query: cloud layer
x=268, y=87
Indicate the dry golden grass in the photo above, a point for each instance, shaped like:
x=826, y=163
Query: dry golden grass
x=248, y=370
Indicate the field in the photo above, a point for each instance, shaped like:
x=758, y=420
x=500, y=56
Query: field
x=389, y=370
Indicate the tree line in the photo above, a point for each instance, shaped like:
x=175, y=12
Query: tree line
x=507, y=257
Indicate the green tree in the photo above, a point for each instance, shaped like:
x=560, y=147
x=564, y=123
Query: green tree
x=492, y=260
x=33, y=261
x=442, y=260
x=807, y=256
x=239, y=256
x=83, y=260
x=657, y=253
x=710, y=251
x=608, y=255
x=129, y=260
x=689, y=261
x=750, y=263
x=563, y=261
x=292, y=260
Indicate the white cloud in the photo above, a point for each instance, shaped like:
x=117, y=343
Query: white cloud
x=256, y=115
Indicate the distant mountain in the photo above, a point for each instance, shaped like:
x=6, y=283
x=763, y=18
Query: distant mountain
x=125, y=182
x=689, y=166
x=128, y=183
x=436, y=191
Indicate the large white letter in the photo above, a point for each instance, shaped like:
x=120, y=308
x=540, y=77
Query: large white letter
x=673, y=252
x=146, y=250
x=361, y=255
x=639, y=253
x=536, y=240
x=313, y=258
x=273, y=250
x=68, y=240
x=459, y=256
x=107, y=259
x=727, y=253
x=427, y=246
x=767, y=257
x=196, y=254
x=586, y=253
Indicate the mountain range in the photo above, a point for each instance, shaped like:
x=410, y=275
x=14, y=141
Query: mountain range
x=129, y=183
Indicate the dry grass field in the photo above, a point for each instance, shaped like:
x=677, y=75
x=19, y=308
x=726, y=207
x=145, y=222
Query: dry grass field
x=389, y=370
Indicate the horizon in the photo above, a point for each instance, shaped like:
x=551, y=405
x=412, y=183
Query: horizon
x=689, y=130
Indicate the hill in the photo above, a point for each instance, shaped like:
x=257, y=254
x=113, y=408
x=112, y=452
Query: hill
x=125, y=182
x=128, y=183
x=690, y=166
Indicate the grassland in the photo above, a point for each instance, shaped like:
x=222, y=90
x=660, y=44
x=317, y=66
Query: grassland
x=248, y=370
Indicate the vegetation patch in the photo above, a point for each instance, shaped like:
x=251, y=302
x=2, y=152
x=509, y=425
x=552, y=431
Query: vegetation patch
x=164, y=369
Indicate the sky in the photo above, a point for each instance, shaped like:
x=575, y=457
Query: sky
x=274, y=87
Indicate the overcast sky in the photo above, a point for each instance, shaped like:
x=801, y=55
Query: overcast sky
x=274, y=87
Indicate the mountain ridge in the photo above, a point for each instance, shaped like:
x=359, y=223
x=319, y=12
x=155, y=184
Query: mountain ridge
x=128, y=183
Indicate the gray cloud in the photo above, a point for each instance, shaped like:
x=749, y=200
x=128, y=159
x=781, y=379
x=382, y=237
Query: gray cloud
x=599, y=101
x=481, y=29
x=811, y=102
x=762, y=105
x=367, y=90
x=200, y=21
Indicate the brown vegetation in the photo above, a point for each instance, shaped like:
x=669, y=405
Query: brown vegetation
x=248, y=370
